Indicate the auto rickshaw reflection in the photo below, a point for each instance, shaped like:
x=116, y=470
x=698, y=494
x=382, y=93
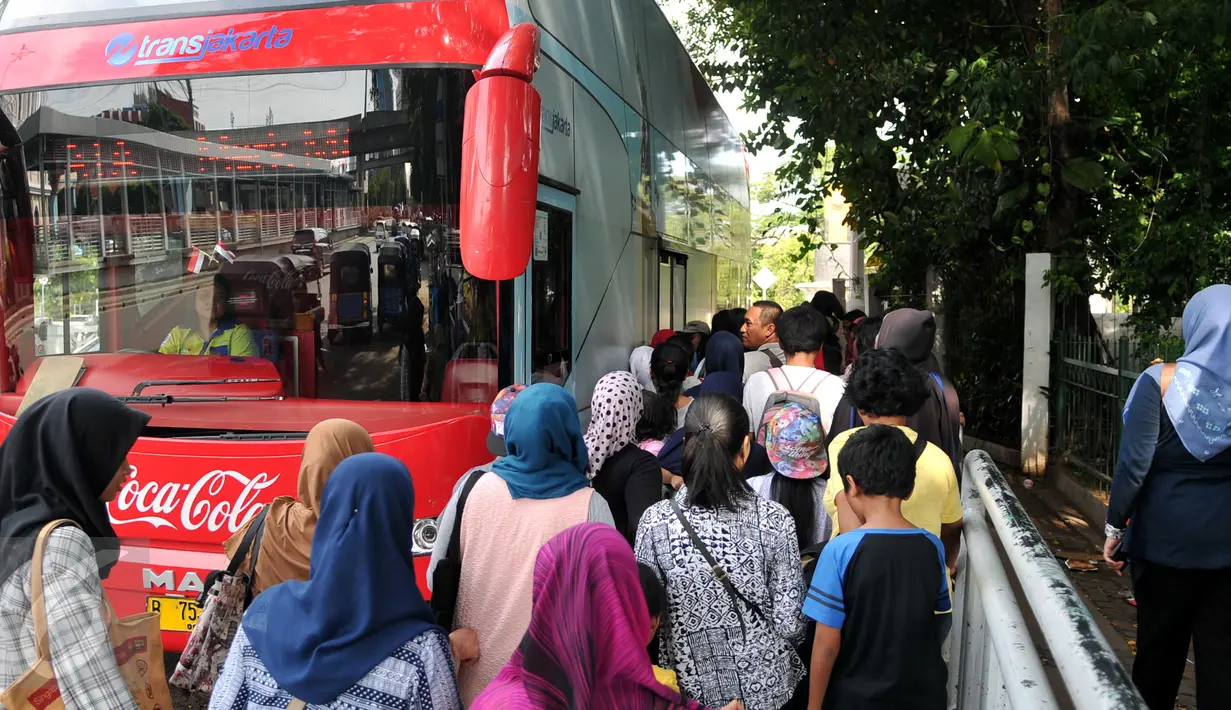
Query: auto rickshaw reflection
x=271, y=295
x=350, y=293
x=392, y=287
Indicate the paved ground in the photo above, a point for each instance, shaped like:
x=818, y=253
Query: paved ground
x=1106, y=594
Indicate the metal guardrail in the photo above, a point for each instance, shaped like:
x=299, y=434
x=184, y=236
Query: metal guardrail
x=995, y=659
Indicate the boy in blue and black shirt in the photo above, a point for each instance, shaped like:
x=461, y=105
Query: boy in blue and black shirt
x=880, y=595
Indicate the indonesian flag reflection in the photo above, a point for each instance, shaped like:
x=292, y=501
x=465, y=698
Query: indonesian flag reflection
x=196, y=262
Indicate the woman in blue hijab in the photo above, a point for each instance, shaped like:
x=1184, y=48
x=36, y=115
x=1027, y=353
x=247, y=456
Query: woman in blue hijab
x=1170, y=499
x=357, y=633
x=538, y=490
x=724, y=367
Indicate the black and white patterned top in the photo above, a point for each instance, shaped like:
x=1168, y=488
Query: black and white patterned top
x=701, y=638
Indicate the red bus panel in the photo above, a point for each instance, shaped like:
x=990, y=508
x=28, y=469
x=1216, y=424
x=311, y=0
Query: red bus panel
x=427, y=33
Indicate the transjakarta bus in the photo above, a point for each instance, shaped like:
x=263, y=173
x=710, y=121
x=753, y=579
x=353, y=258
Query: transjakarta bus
x=153, y=150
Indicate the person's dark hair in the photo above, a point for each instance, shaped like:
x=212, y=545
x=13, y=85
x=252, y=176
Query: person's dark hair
x=658, y=419
x=828, y=305
x=655, y=594
x=884, y=384
x=222, y=286
x=735, y=320
x=798, y=496
x=801, y=330
x=865, y=332
x=668, y=368
x=881, y=460
x=854, y=315
x=770, y=310
x=714, y=433
x=720, y=321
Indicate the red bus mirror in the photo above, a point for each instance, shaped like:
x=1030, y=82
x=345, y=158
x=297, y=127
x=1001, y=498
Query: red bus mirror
x=500, y=159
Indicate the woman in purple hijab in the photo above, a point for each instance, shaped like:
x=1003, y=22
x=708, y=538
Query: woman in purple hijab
x=586, y=645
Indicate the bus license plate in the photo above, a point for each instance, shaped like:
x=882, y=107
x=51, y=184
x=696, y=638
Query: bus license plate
x=174, y=613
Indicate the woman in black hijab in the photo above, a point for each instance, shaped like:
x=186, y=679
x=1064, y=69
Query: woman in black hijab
x=66, y=457
x=913, y=333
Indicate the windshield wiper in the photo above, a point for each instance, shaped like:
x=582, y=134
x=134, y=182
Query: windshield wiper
x=182, y=383
x=165, y=399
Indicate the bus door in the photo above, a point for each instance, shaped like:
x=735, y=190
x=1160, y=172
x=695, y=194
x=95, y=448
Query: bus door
x=543, y=296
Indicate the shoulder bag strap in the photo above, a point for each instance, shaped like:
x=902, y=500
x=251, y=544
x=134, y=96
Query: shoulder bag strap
x=259, y=525
x=38, y=607
x=455, y=542
x=921, y=445
x=774, y=373
x=245, y=545
x=773, y=359
x=1165, y=378
x=716, y=569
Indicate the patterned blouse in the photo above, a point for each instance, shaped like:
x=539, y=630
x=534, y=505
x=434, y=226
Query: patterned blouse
x=417, y=676
x=701, y=638
x=81, y=650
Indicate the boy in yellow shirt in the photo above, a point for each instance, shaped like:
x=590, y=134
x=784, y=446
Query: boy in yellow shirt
x=886, y=389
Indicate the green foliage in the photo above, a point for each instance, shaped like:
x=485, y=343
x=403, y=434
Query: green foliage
x=782, y=258
x=967, y=135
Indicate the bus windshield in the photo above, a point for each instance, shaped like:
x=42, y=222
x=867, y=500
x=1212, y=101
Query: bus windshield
x=165, y=219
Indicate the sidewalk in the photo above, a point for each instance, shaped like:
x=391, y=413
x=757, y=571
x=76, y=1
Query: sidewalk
x=1105, y=593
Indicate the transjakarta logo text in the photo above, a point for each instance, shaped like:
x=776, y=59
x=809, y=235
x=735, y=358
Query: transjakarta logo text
x=124, y=47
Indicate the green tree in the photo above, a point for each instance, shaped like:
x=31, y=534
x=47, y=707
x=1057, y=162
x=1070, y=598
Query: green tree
x=780, y=255
x=966, y=135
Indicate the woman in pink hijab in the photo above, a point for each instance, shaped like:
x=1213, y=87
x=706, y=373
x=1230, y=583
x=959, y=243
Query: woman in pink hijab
x=585, y=647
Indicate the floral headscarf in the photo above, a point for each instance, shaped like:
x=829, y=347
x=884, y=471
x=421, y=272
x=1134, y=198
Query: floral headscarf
x=615, y=409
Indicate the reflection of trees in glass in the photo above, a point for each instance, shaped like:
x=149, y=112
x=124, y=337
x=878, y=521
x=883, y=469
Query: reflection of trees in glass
x=83, y=292
x=387, y=186
x=160, y=118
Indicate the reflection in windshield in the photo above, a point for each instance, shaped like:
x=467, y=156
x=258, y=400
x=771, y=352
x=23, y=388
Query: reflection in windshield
x=148, y=196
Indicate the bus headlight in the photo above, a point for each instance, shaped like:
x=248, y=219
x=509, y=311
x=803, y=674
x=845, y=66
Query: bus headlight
x=424, y=536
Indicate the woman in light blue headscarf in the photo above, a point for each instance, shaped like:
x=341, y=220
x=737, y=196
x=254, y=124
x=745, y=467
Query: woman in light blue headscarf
x=1170, y=502
x=357, y=633
x=516, y=505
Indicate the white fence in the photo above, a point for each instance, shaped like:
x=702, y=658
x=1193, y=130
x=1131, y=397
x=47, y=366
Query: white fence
x=996, y=654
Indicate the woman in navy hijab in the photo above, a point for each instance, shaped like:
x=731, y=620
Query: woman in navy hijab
x=1168, y=515
x=357, y=633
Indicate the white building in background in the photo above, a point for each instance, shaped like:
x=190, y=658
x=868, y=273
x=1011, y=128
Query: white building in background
x=839, y=265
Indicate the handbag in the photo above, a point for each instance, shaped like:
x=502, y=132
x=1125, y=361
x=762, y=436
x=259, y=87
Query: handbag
x=447, y=577
x=227, y=594
x=136, y=641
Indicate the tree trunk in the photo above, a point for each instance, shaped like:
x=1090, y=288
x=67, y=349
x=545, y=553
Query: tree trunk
x=1061, y=213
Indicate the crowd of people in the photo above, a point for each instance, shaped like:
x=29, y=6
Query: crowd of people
x=696, y=544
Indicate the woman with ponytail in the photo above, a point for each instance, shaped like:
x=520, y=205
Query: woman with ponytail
x=716, y=519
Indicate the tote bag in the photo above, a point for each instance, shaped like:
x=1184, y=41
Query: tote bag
x=228, y=593
x=136, y=641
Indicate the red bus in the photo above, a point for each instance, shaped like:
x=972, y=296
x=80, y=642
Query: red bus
x=157, y=161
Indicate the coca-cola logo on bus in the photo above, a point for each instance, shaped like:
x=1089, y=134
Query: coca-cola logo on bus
x=216, y=500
